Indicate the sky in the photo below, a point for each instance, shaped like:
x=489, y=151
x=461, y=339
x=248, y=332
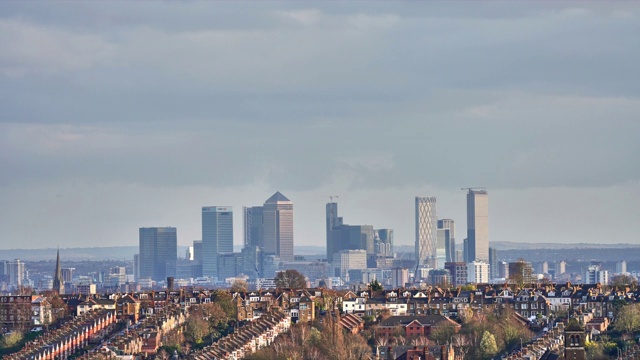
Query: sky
x=120, y=115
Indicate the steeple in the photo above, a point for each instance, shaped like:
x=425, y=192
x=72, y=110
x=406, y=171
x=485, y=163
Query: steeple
x=58, y=281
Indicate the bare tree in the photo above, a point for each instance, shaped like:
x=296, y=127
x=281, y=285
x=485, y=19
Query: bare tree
x=382, y=341
x=461, y=345
x=420, y=341
x=239, y=286
x=291, y=279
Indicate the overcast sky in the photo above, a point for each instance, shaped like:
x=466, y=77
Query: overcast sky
x=120, y=115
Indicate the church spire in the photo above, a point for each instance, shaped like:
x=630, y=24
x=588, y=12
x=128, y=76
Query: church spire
x=58, y=281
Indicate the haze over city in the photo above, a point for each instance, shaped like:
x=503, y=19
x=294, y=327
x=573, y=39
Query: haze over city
x=116, y=116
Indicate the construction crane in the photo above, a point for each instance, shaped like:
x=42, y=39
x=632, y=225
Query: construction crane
x=333, y=196
x=474, y=188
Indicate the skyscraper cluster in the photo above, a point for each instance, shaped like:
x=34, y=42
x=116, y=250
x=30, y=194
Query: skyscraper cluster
x=435, y=238
x=353, y=252
x=268, y=230
x=376, y=243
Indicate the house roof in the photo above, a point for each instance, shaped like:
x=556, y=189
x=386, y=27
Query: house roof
x=423, y=320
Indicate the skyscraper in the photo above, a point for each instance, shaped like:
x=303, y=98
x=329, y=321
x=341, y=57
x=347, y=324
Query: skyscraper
x=16, y=273
x=493, y=264
x=426, y=231
x=158, y=248
x=197, y=250
x=217, y=236
x=277, y=224
x=253, y=229
x=383, y=239
x=478, y=225
x=446, y=248
x=332, y=222
x=341, y=236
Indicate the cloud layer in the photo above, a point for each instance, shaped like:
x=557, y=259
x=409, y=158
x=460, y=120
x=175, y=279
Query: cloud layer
x=126, y=104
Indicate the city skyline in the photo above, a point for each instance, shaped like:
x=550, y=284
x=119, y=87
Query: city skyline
x=113, y=118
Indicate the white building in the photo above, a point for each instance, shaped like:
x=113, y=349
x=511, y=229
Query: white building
x=16, y=274
x=478, y=272
x=594, y=275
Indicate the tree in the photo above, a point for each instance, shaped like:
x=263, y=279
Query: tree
x=376, y=286
x=196, y=328
x=58, y=306
x=239, y=286
x=623, y=280
x=216, y=317
x=488, y=345
x=225, y=300
x=291, y=279
x=442, y=334
x=628, y=319
x=11, y=339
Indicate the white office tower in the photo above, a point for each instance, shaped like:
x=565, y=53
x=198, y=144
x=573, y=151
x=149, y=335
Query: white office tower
x=594, y=274
x=478, y=272
x=621, y=267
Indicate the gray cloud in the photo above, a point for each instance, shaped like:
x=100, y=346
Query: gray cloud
x=315, y=98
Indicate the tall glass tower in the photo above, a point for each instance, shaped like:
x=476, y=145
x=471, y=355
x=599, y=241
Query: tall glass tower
x=426, y=231
x=446, y=248
x=478, y=225
x=217, y=237
x=158, y=247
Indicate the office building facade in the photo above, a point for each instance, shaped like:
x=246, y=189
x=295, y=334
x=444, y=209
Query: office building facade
x=383, y=242
x=426, y=231
x=521, y=272
x=493, y=263
x=16, y=273
x=197, y=250
x=217, y=237
x=158, y=248
x=478, y=272
x=253, y=227
x=446, y=245
x=478, y=225
x=458, y=272
x=447, y=230
x=594, y=274
x=399, y=277
x=277, y=225
x=333, y=222
x=346, y=260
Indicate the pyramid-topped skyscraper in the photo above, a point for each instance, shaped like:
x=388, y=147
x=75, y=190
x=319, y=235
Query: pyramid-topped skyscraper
x=278, y=226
